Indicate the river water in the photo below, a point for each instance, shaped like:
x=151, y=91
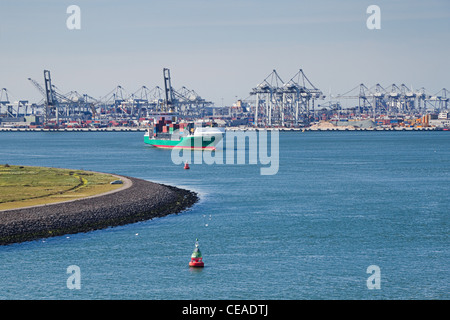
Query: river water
x=340, y=205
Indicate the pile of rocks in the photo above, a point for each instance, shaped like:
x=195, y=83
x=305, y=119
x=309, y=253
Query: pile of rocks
x=143, y=200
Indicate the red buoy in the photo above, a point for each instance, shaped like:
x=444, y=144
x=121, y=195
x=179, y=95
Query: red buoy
x=186, y=166
x=196, y=257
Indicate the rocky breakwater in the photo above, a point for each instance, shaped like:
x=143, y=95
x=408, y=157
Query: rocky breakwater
x=142, y=200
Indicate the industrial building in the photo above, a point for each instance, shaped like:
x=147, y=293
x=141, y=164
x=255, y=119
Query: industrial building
x=273, y=102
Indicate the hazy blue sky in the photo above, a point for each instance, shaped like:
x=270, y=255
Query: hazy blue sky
x=222, y=49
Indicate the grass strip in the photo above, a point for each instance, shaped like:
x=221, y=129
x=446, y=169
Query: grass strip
x=22, y=186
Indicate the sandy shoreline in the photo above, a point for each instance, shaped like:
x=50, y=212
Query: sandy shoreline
x=140, y=200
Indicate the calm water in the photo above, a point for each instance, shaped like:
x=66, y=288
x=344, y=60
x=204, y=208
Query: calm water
x=341, y=201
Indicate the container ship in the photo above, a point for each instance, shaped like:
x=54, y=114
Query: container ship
x=184, y=135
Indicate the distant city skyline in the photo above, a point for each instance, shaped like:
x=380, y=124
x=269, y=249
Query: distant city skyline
x=222, y=49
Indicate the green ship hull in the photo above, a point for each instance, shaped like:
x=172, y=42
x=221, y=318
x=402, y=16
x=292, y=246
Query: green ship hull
x=189, y=142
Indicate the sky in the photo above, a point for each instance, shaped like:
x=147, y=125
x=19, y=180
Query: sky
x=222, y=49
